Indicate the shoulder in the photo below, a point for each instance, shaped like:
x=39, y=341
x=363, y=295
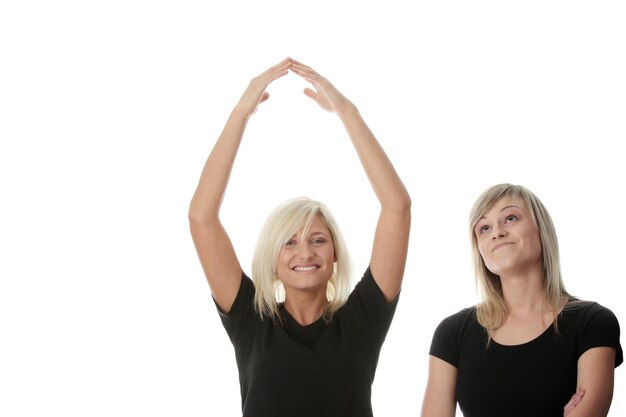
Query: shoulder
x=244, y=300
x=461, y=317
x=457, y=324
x=594, y=326
x=588, y=311
x=367, y=288
x=453, y=333
x=367, y=304
x=243, y=319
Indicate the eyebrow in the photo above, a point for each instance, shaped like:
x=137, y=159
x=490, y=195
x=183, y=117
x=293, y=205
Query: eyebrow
x=318, y=233
x=502, y=209
x=508, y=207
x=312, y=233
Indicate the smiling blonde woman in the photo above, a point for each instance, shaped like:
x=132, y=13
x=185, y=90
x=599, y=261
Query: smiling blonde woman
x=304, y=344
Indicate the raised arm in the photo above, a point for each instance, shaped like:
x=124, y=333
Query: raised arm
x=391, y=239
x=215, y=250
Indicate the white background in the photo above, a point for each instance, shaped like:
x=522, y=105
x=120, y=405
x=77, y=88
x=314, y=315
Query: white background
x=108, y=111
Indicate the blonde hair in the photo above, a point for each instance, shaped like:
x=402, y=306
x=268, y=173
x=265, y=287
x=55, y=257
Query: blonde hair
x=491, y=312
x=285, y=221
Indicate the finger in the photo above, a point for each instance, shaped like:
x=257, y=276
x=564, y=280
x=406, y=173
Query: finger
x=573, y=402
x=310, y=93
x=264, y=97
x=275, y=72
x=303, y=70
x=282, y=64
x=300, y=64
x=302, y=67
x=314, y=79
x=275, y=75
x=567, y=410
x=568, y=407
x=578, y=397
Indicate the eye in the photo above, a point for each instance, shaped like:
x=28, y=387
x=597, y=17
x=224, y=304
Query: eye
x=290, y=242
x=318, y=241
x=482, y=229
x=511, y=218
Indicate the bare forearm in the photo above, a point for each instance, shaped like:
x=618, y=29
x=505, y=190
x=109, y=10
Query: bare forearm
x=209, y=194
x=208, y=197
x=215, y=250
x=390, y=244
x=596, y=379
x=383, y=177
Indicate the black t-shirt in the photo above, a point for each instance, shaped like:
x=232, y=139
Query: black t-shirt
x=320, y=370
x=534, y=379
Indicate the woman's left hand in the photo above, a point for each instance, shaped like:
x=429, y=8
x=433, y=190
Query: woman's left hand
x=325, y=94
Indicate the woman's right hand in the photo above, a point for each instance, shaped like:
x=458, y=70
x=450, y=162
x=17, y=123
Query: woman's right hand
x=217, y=255
x=255, y=93
x=573, y=402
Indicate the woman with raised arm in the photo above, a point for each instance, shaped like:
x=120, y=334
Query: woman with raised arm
x=315, y=353
x=529, y=348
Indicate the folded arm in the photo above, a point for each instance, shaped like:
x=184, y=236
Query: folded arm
x=596, y=368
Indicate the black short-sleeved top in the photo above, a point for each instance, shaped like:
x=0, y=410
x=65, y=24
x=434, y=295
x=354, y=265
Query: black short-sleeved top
x=320, y=370
x=534, y=379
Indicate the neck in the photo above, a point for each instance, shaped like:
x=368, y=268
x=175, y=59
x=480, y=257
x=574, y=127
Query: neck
x=305, y=307
x=523, y=292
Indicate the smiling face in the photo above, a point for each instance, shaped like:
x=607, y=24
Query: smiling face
x=306, y=261
x=508, y=238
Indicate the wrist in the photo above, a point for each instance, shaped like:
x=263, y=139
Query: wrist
x=238, y=113
x=238, y=119
x=348, y=110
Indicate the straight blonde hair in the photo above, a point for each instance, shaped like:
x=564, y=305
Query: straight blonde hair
x=285, y=221
x=491, y=312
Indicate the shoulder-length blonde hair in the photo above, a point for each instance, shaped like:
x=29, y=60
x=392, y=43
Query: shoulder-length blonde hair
x=285, y=221
x=491, y=312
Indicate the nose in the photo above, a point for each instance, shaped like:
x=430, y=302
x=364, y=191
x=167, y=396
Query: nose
x=305, y=251
x=497, y=232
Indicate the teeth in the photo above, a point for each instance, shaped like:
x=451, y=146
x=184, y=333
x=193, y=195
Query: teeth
x=305, y=268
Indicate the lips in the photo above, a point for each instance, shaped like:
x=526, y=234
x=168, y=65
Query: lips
x=501, y=245
x=305, y=268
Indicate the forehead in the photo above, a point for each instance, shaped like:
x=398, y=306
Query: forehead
x=317, y=225
x=505, y=202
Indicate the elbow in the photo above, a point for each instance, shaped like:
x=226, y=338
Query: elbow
x=194, y=218
x=398, y=209
x=406, y=202
x=401, y=204
x=198, y=215
x=406, y=209
x=200, y=223
x=194, y=215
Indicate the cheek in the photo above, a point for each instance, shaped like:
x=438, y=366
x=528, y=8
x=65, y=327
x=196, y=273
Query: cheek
x=482, y=247
x=281, y=260
x=535, y=242
x=538, y=250
x=484, y=254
